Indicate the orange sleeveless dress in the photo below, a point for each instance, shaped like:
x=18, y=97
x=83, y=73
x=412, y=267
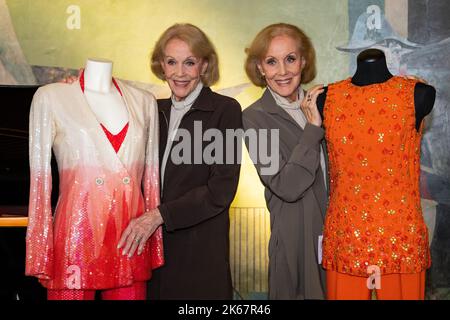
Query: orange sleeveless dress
x=374, y=216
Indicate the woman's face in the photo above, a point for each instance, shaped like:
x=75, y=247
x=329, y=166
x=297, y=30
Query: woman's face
x=181, y=68
x=282, y=67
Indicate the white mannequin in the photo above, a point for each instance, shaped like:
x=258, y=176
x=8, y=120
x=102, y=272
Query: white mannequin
x=103, y=97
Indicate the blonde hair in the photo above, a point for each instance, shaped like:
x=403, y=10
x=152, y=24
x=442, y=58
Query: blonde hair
x=199, y=44
x=260, y=45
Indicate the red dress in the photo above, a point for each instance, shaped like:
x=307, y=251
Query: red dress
x=116, y=139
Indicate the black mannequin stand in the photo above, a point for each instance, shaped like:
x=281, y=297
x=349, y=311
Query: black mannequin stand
x=371, y=69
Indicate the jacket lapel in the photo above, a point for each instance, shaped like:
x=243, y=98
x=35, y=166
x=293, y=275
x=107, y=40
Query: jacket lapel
x=270, y=106
x=203, y=103
x=132, y=122
x=164, y=106
x=111, y=158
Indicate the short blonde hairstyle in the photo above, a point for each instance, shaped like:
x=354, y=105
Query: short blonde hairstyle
x=260, y=45
x=199, y=44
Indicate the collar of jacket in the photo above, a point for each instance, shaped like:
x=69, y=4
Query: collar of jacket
x=204, y=102
x=270, y=105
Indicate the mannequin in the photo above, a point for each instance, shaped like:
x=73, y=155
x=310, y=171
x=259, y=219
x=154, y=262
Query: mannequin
x=72, y=250
x=103, y=97
x=372, y=68
x=373, y=125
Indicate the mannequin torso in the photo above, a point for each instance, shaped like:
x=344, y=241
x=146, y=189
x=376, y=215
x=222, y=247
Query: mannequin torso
x=372, y=68
x=103, y=97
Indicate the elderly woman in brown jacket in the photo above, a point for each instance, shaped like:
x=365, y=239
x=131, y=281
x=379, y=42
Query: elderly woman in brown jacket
x=197, y=186
x=281, y=58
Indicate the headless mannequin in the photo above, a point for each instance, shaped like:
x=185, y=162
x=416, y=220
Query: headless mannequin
x=372, y=68
x=103, y=97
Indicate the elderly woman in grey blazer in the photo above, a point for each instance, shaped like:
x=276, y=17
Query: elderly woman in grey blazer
x=281, y=58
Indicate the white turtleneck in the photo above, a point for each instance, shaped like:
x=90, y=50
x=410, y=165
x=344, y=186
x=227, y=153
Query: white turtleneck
x=178, y=110
x=293, y=109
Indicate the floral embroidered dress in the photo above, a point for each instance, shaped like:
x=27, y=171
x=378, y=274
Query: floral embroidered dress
x=101, y=190
x=374, y=216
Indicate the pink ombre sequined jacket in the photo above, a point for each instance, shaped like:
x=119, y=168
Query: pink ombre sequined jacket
x=100, y=190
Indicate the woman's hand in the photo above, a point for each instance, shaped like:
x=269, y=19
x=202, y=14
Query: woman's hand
x=309, y=105
x=139, y=231
x=72, y=79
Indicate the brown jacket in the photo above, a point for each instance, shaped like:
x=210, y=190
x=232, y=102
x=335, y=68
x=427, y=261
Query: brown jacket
x=194, y=207
x=296, y=198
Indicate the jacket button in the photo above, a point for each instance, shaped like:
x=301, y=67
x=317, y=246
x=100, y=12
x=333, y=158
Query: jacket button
x=126, y=180
x=99, y=181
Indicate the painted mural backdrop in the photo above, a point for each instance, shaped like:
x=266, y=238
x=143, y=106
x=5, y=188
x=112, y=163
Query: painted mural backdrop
x=44, y=41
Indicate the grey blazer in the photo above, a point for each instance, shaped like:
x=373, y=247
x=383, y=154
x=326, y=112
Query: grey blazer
x=296, y=198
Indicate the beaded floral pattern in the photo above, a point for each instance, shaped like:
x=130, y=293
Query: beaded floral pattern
x=374, y=215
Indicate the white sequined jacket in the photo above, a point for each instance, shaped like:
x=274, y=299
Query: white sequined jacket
x=100, y=190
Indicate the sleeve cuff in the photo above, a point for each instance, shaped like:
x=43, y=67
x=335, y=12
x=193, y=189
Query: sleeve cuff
x=308, y=148
x=312, y=135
